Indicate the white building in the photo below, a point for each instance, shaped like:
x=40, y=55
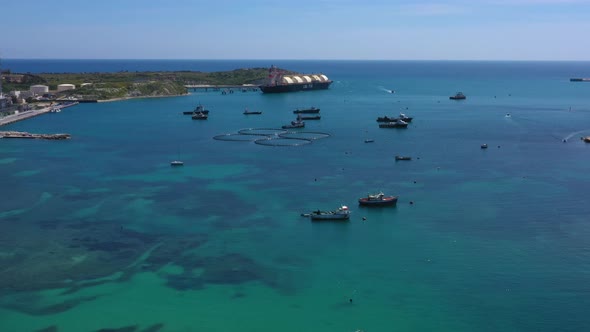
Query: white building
x=64, y=87
x=39, y=89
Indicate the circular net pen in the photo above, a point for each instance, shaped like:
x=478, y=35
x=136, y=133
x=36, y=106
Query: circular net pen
x=306, y=135
x=272, y=136
x=269, y=132
x=282, y=141
x=235, y=137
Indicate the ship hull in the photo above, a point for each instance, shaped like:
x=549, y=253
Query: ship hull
x=280, y=88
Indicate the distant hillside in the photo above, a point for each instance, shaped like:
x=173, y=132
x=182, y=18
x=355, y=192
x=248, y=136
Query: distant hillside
x=130, y=84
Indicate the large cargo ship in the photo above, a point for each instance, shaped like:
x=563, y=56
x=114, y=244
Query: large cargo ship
x=280, y=82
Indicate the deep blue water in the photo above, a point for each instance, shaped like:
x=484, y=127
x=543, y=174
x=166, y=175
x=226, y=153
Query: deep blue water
x=495, y=239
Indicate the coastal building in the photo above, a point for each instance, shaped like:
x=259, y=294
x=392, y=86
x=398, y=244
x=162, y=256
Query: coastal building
x=4, y=102
x=64, y=87
x=39, y=89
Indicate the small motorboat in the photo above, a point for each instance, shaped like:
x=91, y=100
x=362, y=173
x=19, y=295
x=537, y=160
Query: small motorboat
x=586, y=139
x=402, y=158
x=247, y=112
x=394, y=124
x=200, y=116
x=387, y=119
x=378, y=200
x=176, y=163
x=458, y=96
x=369, y=140
x=402, y=117
x=307, y=110
x=193, y=112
x=484, y=146
x=342, y=213
x=198, y=109
x=294, y=124
x=311, y=117
x=405, y=118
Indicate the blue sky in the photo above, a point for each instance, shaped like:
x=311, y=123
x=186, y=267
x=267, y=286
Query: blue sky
x=297, y=29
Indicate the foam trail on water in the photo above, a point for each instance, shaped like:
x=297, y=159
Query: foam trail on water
x=575, y=133
x=386, y=90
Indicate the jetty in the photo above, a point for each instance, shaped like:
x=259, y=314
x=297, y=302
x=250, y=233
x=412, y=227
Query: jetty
x=216, y=87
x=19, y=116
x=24, y=134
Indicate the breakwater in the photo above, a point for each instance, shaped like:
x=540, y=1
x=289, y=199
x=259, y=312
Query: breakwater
x=32, y=113
x=24, y=134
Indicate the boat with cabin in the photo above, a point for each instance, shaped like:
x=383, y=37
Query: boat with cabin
x=198, y=109
x=342, y=213
x=248, y=112
x=200, y=116
x=378, y=200
x=307, y=110
x=401, y=116
x=586, y=139
x=394, y=124
x=294, y=124
x=458, y=96
x=175, y=163
x=403, y=158
x=311, y=117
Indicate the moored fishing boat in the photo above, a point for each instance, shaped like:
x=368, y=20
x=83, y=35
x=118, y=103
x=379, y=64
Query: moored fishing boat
x=200, y=116
x=311, y=117
x=402, y=117
x=294, y=124
x=307, y=110
x=378, y=200
x=247, y=112
x=458, y=96
x=394, y=124
x=198, y=109
x=342, y=213
x=193, y=112
x=403, y=158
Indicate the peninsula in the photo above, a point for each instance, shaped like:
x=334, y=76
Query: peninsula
x=124, y=84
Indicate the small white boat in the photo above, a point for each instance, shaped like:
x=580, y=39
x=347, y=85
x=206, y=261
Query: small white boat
x=176, y=163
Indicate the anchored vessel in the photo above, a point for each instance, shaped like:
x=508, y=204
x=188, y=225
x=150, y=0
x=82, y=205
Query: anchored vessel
x=341, y=214
x=378, y=200
x=458, y=96
x=279, y=82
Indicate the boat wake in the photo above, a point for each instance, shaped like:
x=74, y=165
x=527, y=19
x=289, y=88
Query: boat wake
x=386, y=90
x=575, y=133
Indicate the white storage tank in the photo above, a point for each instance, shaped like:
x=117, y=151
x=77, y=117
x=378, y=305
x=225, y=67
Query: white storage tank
x=39, y=89
x=64, y=87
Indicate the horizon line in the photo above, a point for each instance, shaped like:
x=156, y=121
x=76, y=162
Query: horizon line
x=364, y=60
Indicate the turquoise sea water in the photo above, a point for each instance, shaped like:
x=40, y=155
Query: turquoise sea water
x=100, y=232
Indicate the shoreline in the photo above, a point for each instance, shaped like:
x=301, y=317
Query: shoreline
x=138, y=97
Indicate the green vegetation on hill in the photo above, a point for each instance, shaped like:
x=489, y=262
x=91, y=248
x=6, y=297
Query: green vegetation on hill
x=136, y=84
